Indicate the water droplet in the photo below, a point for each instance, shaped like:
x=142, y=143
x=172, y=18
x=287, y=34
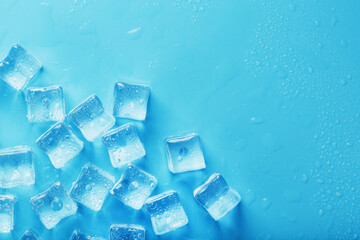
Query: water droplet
x=321, y=212
x=266, y=203
x=56, y=204
x=182, y=153
x=88, y=187
x=46, y=102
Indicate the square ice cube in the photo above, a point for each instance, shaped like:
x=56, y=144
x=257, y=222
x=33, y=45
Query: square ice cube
x=53, y=205
x=92, y=187
x=60, y=144
x=130, y=101
x=78, y=235
x=30, y=235
x=19, y=67
x=134, y=187
x=216, y=196
x=7, y=205
x=91, y=118
x=124, y=145
x=166, y=212
x=16, y=167
x=184, y=153
x=45, y=104
x=127, y=232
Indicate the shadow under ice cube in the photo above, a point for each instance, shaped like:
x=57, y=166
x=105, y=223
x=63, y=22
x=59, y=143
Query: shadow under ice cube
x=91, y=118
x=16, y=167
x=127, y=232
x=216, y=196
x=19, y=67
x=134, y=187
x=130, y=101
x=92, y=186
x=124, y=145
x=7, y=205
x=166, y=212
x=53, y=205
x=60, y=144
x=45, y=104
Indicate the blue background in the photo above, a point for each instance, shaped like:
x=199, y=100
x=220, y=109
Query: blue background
x=272, y=87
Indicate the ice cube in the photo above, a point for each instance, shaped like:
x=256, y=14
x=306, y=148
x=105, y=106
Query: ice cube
x=166, y=212
x=30, y=235
x=91, y=118
x=134, y=187
x=53, y=205
x=130, y=101
x=60, y=144
x=124, y=145
x=78, y=235
x=216, y=196
x=127, y=232
x=7, y=205
x=16, y=167
x=92, y=187
x=19, y=67
x=45, y=104
x=184, y=153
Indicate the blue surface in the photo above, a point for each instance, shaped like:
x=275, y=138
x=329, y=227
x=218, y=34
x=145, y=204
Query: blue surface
x=271, y=87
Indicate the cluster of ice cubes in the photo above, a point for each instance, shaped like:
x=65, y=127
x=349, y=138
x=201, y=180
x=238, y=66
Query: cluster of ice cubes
x=93, y=185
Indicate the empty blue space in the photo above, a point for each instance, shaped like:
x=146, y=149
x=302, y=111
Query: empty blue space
x=271, y=87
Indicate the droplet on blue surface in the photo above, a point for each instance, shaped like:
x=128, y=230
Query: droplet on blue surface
x=265, y=203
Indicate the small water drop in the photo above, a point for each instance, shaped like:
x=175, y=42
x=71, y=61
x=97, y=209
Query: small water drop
x=56, y=204
x=266, y=203
x=182, y=153
x=88, y=187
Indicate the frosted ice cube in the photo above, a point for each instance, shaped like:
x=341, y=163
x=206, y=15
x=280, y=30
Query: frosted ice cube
x=16, y=167
x=127, y=232
x=124, y=145
x=78, y=235
x=30, y=235
x=184, y=153
x=7, y=205
x=166, y=212
x=91, y=118
x=45, y=104
x=19, y=67
x=53, y=205
x=130, y=101
x=216, y=196
x=134, y=187
x=60, y=144
x=92, y=187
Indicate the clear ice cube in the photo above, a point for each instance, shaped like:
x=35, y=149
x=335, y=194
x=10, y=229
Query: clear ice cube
x=166, y=212
x=91, y=118
x=216, y=196
x=45, y=104
x=124, y=145
x=78, y=235
x=130, y=101
x=134, y=187
x=30, y=235
x=7, y=205
x=127, y=232
x=92, y=186
x=16, y=167
x=184, y=153
x=60, y=144
x=53, y=205
x=19, y=67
